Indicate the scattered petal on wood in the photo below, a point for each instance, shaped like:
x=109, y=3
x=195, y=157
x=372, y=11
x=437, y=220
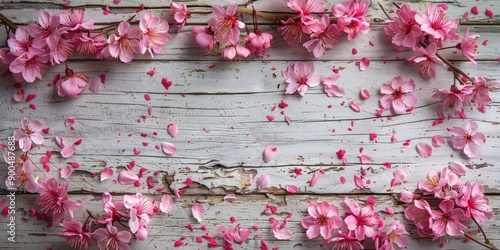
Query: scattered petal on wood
x=292, y=189
x=68, y=151
x=106, y=173
x=168, y=148
x=288, y=120
x=474, y=10
x=172, y=130
x=342, y=179
x=354, y=106
x=127, y=177
x=66, y=171
x=389, y=211
x=282, y=234
x=96, y=84
x=438, y=141
x=359, y=182
x=269, y=154
x=364, y=158
x=263, y=181
x=166, y=203
x=30, y=97
x=458, y=168
x=424, y=149
x=60, y=141
x=270, y=118
x=400, y=175
x=314, y=179
x=489, y=13
x=364, y=63
x=70, y=121
x=365, y=94
x=198, y=211
x=230, y=197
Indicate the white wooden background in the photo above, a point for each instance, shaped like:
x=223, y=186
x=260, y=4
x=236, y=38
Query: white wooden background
x=221, y=114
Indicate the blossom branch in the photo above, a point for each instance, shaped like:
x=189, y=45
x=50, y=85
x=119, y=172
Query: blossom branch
x=7, y=22
x=486, y=240
x=473, y=238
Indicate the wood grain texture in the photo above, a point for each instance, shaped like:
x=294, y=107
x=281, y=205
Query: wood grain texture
x=221, y=108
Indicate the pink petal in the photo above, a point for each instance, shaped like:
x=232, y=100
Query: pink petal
x=147, y=97
x=96, y=84
x=288, y=120
x=389, y=211
x=282, y=234
x=314, y=179
x=166, y=203
x=424, y=149
x=127, y=177
x=342, y=179
x=364, y=63
x=458, y=168
x=474, y=10
x=489, y=13
x=438, y=141
x=106, y=173
x=198, y=211
x=364, y=158
x=359, y=182
x=230, y=197
x=269, y=154
x=263, y=181
x=292, y=189
x=270, y=118
x=70, y=121
x=66, y=171
x=365, y=94
x=30, y=97
x=172, y=130
x=168, y=148
x=19, y=95
x=60, y=141
x=68, y=151
x=400, y=175
x=354, y=106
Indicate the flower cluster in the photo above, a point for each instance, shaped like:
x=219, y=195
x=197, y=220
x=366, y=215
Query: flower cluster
x=299, y=76
x=357, y=225
x=458, y=203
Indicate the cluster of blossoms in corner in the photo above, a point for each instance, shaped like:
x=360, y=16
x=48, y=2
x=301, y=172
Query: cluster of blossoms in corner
x=352, y=229
x=427, y=33
x=459, y=203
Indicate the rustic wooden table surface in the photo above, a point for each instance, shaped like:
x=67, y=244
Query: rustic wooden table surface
x=220, y=108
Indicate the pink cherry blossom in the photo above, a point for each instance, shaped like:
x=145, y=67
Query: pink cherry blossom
x=110, y=238
x=324, y=38
x=398, y=95
x=305, y=8
x=404, y=30
x=468, y=45
x=114, y=210
x=448, y=220
x=29, y=66
x=331, y=89
x=474, y=201
x=21, y=43
x=299, y=76
x=455, y=97
x=258, y=43
x=155, y=33
x=89, y=44
x=29, y=133
x=395, y=234
x=47, y=26
x=226, y=24
x=126, y=43
x=467, y=137
x=59, y=48
x=292, y=31
x=71, y=85
x=360, y=220
x=204, y=37
x=140, y=210
x=54, y=201
x=235, y=51
x=481, y=92
x=351, y=18
x=76, y=235
x=180, y=14
x=345, y=241
x=74, y=20
x=434, y=23
x=424, y=63
x=433, y=184
x=420, y=215
x=322, y=220
x=24, y=178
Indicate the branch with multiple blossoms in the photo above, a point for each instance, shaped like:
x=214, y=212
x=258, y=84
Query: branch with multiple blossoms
x=36, y=47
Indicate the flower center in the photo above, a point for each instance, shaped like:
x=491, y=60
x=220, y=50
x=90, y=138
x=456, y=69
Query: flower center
x=322, y=220
x=468, y=138
x=397, y=94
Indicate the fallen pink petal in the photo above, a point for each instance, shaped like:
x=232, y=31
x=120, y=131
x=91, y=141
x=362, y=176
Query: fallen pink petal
x=269, y=154
x=364, y=63
x=70, y=121
x=106, y=173
x=198, y=211
x=126, y=177
x=66, y=171
x=292, y=189
x=354, y=106
x=172, y=130
x=438, y=141
x=166, y=203
x=168, y=148
x=262, y=181
x=424, y=149
x=365, y=94
x=359, y=182
x=458, y=168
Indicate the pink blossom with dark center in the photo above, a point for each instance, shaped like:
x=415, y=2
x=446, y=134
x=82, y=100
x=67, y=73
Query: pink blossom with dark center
x=481, y=93
x=474, y=201
x=322, y=220
x=424, y=63
x=155, y=33
x=420, y=215
x=398, y=95
x=455, y=97
x=180, y=14
x=226, y=24
x=324, y=38
x=448, y=220
x=114, y=210
x=292, y=31
x=29, y=133
x=126, y=43
x=89, y=44
x=110, y=238
x=141, y=210
x=54, y=201
x=360, y=220
x=468, y=45
x=21, y=43
x=434, y=23
x=404, y=30
x=467, y=138
x=71, y=85
x=47, y=27
x=299, y=76
x=76, y=236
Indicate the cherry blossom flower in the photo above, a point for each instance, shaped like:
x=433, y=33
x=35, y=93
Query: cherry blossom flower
x=141, y=210
x=59, y=48
x=436, y=182
x=226, y=24
x=76, y=236
x=448, y=220
x=258, y=43
x=21, y=43
x=24, y=177
x=71, y=85
x=47, y=26
x=292, y=31
x=424, y=63
x=323, y=219
x=74, y=20
x=351, y=18
x=467, y=137
x=404, y=30
x=155, y=33
x=204, y=37
x=361, y=221
x=299, y=76
x=455, y=97
x=54, y=201
x=126, y=43
x=468, y=45
x=305, y=8
x=481, y=92
x=235, y=51
x=398, y=95
x=29, y=66
x=395, y=234
x=88, y=44
x=331, y=89
x=180, y=14
x=114, y=210
x=112, y=239
x=345, y=241
x=420, y=215
x=434, y=23
x=474, y=201
x=324, y=38
x=29, y=133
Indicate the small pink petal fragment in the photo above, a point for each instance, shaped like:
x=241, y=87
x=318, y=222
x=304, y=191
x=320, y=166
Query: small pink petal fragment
x=373, y=136
x=458, y=168
x=198, y=211
x=485, y=42
x=466, y=15
x=19, y=95
x=172, y=130
x=388, y=164
x=147, y=97
x=359, y=182
x=474, y=10
x=489, y=13
x=389, y=211
x=68, y=151
x=292, y=189
x=33, y=106
x=400, y=175
x=288, y=120
x=66, y=171
x=269, y=154
x=354, y=51
x=263, y=181
x=283, y=104
x=365, y=94
x=424, y=149
x=342, y=179
x=314, y=179
x=166, y=83
x=136, y=152
x=230, y=198
x=127, y=177
x=70, y=121
x=168, y=148
x=150, y=110
x=96, y=84
x=166, y=203
x=270, y=118
x=106, y=173
x=282, y=234
x=354, y=106
x=364, y=63
x=438, y=141
x=106, y=10
x=116, y=1
x=30, y=97
x=151, y=72
x=188, y=181
x=364, y=158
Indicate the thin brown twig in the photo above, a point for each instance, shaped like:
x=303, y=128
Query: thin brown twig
x=473, y=238
x=8, y=22
x=486, y=240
